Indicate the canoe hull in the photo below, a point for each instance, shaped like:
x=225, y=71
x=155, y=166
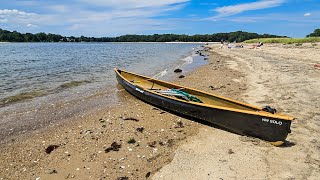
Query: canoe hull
x=266, y=128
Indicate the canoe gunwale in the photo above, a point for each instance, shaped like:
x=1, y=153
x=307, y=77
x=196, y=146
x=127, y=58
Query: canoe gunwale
x=260, y=113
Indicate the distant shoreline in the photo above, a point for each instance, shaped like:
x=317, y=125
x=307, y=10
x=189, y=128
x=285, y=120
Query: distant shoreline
x=122, y=42
x=238, y=36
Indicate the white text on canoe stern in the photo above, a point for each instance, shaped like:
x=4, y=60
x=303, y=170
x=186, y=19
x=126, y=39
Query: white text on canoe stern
x=272, y=121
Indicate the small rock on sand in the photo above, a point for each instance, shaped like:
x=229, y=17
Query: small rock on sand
x=230, y=151
x=140, y=129
x=114, y=147
x=148, y=174
x=50, y=148
x=131, y=119
x=152, y=144
x=123, y=178
x=177, y=70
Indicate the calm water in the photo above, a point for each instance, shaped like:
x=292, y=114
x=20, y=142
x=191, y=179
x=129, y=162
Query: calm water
x=29, y=70
x=42, y=84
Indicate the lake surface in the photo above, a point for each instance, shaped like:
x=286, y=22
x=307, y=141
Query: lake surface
x=29, y=70
x=35, y=77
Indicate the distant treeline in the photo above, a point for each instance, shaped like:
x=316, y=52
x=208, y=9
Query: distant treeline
x=316, y=33
x=239, y=36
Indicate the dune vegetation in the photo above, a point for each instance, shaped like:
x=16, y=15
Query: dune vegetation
x=285, y=40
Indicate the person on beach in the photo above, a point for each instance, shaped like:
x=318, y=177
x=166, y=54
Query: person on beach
x=230, y=45
x=222, y=43
x=238, y=46
x=257, y=45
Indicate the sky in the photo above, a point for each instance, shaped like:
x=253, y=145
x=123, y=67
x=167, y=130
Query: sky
x=109, y=18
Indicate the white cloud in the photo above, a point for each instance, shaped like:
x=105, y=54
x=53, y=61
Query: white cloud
x=129, y=16
x=118, y=22
x=239, y=8
x=96, y=17
x=291, y=18
x=16, y=18
x=14, y=12
x=31, y=25
x=124, y=4
x=119, y=27
x=307, y=14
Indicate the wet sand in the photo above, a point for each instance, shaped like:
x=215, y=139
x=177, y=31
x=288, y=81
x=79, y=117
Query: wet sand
x=82, y=145
x=160, y=145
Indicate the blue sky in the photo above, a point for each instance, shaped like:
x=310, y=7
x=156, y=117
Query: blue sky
x=98, y=18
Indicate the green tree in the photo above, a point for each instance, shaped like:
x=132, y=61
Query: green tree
x=238, y=36
x=316, y=33
x=42, y=37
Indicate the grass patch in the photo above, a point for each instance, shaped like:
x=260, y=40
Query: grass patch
x=285, y=40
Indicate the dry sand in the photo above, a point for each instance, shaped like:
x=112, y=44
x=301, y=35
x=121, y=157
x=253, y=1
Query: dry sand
x=172, y=147
x=284, y=77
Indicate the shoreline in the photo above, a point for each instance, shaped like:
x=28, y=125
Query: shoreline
x=98, y=124
x=125, y=42
x=20, y=118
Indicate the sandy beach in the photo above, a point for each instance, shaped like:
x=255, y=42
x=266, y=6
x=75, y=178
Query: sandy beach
x=282, y=76
x=134, y=140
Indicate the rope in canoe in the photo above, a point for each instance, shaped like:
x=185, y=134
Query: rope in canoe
x=180, y=94
x=174, y=92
